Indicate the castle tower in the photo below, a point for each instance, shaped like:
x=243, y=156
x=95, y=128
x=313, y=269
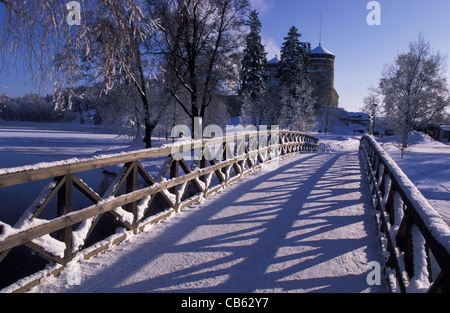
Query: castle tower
x=321, y=74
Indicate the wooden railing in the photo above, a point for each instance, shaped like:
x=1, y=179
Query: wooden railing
x=415, y=238
x=135, y=199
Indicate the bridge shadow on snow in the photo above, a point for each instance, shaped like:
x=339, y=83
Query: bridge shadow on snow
x=305, y=227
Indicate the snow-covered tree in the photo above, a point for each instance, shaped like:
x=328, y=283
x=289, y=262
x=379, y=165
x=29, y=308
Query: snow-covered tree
x=294, y=61
x=372, y=106
x=4, y=99
x=414, y=88
x=200, y=41
x=297, y=101
x=297, y=113
x=272, y=104
x=108, y=44
x=253, y=72
x=117, y=38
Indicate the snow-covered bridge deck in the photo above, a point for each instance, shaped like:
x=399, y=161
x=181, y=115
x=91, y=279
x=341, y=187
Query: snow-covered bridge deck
x=306, y=226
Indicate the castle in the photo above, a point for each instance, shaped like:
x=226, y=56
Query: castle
x=321, y=75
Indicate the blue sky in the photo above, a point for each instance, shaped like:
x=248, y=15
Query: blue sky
x=361, y=50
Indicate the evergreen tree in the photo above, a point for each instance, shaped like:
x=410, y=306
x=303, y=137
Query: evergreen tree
x=294, y=62
x=297, y=101
x=253, y=75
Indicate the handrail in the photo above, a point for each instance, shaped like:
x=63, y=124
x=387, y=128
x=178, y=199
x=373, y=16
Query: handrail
x=415, y=237
x=243, y=153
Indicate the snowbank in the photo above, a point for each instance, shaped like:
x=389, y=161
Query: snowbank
x=427, y=164
x=336, y=142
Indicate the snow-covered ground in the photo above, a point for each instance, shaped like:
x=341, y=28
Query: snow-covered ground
x=426, y=163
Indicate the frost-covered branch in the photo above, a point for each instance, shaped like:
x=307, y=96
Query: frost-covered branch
x=414, y=88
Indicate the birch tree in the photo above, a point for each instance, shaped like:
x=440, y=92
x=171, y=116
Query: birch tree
x=108, y=45
x=28, y=34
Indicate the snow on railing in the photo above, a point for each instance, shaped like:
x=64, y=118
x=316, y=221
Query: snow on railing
x=134, y=199
x=415, y=238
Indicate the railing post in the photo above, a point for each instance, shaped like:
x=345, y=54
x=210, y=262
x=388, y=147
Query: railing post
x=64, y=206
x=174, y=173
x=404, y=242
x=203, y=164
x=275, y=131
x=132, y=186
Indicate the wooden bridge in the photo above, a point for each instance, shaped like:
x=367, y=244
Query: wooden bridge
x=414, y=238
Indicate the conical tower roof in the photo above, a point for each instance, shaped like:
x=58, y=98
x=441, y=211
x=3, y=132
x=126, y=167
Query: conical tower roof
x=321, y=50
x=275, y=60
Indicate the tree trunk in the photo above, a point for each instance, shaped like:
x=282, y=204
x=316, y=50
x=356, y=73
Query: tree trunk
x=404, y=141
x=147, y=123
x=197, y=127
x=148, y=134
x=143, y=91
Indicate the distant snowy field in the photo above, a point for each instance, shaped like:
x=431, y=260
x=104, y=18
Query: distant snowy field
x=427, y=162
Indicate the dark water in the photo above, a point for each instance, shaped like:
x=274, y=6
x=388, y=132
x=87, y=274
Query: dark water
x=15, y=200
x=25, y=144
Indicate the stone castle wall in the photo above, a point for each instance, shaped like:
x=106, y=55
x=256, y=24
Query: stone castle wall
x=321, y=73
